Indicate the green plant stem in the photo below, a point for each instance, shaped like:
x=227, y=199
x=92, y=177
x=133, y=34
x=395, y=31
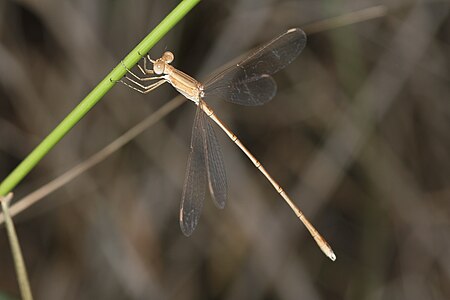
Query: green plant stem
x=94, y=96
x=19, y=263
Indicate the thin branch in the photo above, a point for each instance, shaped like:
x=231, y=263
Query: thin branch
x=95, y=159
x=19, y=263
x=346, y=19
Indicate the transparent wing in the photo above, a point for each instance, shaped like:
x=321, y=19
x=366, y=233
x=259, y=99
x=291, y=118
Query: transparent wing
x=195, y=181
x=249, y=82
x=215, y=166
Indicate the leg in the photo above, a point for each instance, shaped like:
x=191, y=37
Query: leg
x=145, y=70
x=143, y=89
x=141, y=78
x=140, y=81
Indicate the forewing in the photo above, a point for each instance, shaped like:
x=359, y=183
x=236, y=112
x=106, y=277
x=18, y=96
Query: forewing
x=240, y=83
x=215, y=166
x=195, y=180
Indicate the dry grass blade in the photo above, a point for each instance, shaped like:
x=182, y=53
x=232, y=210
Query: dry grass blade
x=19, y=263
x=95, y=159
x=347, y=19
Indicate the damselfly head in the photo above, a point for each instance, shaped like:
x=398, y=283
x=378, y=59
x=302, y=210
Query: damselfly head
x=168, y=57
x=159, y=66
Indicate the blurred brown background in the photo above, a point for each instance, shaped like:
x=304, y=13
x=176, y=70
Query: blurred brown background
x=358, y=135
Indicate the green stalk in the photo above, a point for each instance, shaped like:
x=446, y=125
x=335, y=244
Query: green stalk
x=94, y=96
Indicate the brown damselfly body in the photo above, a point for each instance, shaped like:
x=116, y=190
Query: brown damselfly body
x=249, y=83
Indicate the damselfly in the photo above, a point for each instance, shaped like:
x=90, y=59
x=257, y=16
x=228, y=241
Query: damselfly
x=248, y=82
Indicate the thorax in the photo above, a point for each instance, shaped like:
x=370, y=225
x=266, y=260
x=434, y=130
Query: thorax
x=184, y=84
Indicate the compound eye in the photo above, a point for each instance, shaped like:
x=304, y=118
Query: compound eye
x=168, y=57
x=158, y=67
